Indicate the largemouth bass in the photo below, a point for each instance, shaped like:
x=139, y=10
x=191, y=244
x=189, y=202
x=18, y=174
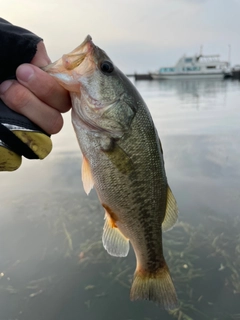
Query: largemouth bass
x=123, y=160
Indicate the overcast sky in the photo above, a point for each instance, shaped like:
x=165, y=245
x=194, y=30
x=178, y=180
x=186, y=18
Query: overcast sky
x=138, y=35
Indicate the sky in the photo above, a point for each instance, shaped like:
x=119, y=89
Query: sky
x=138, y=35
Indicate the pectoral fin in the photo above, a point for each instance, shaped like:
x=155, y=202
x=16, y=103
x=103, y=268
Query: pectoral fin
x=87, y=176
x=113, y=240
x=171, y=214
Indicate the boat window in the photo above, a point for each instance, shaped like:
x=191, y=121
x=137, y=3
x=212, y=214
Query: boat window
x=187, y=60
x=211, y=67
x=191, y=69
x=167, y=70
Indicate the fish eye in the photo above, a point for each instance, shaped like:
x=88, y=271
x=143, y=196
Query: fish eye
x=106, y=67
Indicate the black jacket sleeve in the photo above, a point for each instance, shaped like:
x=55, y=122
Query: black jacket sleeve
x=17, y=46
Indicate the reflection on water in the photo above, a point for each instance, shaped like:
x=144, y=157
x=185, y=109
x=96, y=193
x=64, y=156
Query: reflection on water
x=52, y=263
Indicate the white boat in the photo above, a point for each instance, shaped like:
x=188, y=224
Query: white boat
x=198, y=66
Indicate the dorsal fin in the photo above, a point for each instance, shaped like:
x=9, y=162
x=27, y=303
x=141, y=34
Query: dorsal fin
x=113, y=240
x=87, y=176
x=171, y=214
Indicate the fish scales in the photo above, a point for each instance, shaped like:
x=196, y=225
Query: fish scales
x=123, y=160
x=144, y=183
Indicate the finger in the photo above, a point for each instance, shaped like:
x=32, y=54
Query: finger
x=23, y=101
x=44, y=87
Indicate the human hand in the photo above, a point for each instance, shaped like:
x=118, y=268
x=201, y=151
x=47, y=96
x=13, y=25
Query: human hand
x=38, y=97
x=36, y=94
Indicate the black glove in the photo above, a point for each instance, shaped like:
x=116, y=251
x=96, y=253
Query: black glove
x=18, y=135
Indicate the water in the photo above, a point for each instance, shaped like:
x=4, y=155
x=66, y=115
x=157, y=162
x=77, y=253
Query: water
x=52, y=263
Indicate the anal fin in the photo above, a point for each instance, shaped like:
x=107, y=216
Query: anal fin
x=171, y=214
x=87, y=176
x=113, y=240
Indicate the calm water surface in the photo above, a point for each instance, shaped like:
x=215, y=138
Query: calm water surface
x=52, y=263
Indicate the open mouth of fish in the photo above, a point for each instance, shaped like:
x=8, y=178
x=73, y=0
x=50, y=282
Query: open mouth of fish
x=70, y=66
x=76, y=57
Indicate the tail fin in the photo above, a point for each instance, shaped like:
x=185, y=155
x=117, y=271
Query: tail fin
x=157, y=287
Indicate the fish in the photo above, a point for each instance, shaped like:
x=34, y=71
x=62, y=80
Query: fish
x=123, y=161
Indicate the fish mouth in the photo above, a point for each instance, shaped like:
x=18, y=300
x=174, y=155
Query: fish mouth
x=72, y=60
